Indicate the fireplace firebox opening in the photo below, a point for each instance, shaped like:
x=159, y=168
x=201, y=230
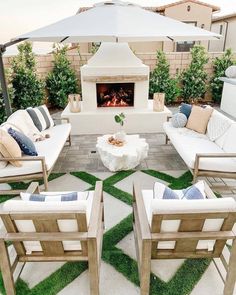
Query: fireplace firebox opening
x=115, y=94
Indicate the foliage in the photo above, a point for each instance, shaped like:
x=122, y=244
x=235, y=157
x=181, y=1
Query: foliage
x=194, y=78
x=94, y=48
x=120, y=119
x=160, y=80
x=61, y=81
x=220, y=64
x=28, y=88
x=10, y=93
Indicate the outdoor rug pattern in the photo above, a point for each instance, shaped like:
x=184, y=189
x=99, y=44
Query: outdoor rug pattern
x=181, y=283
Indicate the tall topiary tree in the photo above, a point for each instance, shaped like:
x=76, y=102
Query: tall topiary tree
x=28, y=88
x=62, y=80
x=194, y=78
x=220, y=64
x=160, y=80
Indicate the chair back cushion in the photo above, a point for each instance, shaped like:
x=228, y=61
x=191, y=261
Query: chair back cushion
x=70, y=225
x=167, y=207
x=229, y=145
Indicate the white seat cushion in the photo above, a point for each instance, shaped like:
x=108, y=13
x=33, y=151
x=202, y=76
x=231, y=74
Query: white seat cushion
x=189, y=144
x=49, y=148
x=52, y=206
x=159, y=206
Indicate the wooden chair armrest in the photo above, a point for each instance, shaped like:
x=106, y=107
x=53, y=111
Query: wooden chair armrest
x=208, y=191
x=60, y=120
x=96, y=212
x=33, y=188
x=140, y=215
x=216, y=155
x=24, y=159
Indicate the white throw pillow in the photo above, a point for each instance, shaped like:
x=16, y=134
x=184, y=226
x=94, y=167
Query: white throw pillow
x=21, y=121
x=231, y=72
x=217, y=125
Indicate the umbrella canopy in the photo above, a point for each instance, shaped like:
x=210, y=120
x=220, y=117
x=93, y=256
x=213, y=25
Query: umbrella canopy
x=117, y=21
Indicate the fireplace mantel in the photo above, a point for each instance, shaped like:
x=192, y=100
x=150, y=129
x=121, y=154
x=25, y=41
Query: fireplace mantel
x=115, y=78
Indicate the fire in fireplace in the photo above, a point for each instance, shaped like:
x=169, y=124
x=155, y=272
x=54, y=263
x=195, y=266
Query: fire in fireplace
x=115, y=94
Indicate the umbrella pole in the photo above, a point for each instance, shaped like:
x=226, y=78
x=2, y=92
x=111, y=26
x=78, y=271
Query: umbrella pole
x=4, y=83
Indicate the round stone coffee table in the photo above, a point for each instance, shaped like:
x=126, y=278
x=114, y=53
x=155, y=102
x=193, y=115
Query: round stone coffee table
x=126, y=157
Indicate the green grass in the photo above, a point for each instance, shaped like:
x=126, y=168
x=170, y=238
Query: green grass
x=181, y=283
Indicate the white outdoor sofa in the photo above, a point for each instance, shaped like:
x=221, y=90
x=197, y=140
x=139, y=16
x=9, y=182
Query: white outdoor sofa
x=35, y=167
x=204, y=156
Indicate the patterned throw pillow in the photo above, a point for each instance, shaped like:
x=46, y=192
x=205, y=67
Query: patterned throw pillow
x=179, y=120
x=25, y=143
x=41, y=117
x=55, y=197
x=194, y=192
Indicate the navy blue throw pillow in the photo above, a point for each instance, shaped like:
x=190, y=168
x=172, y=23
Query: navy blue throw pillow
x=185, y=109
x=25, y=143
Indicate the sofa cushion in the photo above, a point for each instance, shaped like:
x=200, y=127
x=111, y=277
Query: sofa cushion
x=9, y=148
x=158, y=206
x=230, y=72
x=3, y=163
x=189, y=144
x=41, y=117
x=217, y=125
x=49, y=148
x=64, y=225
x=21, y=121
x=179, y=120
x=199, y=118
x=229, y=145
x=185, y=109
x=24, y=142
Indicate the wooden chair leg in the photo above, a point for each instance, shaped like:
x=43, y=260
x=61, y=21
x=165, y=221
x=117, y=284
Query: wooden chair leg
x=69, y=140
x=145, y=267
x=93, y=264
x=6, y=269
x=231, y=273
x=167, y=139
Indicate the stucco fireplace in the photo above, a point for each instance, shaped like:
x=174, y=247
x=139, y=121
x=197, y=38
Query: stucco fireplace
x=115, y=64
x=115, y=80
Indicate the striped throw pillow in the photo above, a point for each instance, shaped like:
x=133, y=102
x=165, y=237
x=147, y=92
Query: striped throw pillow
x=194, y=192
x=55, y=197
x=41, y=117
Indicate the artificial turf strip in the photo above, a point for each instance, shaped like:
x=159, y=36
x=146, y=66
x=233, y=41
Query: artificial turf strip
x=118, y=194
x=113, y=179
x=181, y=283
x=89, y=178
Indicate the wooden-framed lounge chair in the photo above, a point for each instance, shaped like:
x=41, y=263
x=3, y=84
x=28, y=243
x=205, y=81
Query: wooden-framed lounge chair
x=172, y=229
x=79, y=240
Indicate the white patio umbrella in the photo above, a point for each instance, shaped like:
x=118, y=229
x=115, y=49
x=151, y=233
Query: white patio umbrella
x=111, y=21
x=116, y=21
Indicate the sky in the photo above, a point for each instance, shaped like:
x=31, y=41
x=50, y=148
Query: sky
x=20, y=16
